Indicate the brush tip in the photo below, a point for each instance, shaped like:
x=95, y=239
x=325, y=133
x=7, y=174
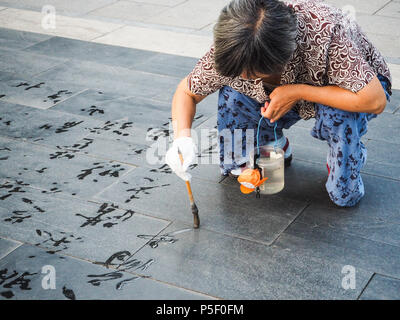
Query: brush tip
x=196, y=219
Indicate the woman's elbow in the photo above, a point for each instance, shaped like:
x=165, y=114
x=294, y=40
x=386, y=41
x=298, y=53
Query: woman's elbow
x=372, y=98
x=379, y=104
x=375, y=104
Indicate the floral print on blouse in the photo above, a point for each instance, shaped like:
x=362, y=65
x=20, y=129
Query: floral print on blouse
x=331, y=50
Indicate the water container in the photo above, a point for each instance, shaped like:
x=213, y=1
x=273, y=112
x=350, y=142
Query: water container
x=272, y=164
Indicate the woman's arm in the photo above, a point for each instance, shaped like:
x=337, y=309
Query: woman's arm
x=370, y=99
x=183, y=109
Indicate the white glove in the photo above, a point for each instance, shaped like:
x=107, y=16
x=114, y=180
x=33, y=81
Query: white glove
x=188, y=150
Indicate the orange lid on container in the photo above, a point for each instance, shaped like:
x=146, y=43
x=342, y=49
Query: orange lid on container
x=249, y=180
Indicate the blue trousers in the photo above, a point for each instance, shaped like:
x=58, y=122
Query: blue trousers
x=341, y=129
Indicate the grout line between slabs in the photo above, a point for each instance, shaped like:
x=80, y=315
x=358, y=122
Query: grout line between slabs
x=288, y=226
x=34, y=44
x=115, y=182
x=158, y=233
x=98, y=8
x=387, y=276
x=12, y=250
x=104, y=34
x=46, y=70
x=230, y=235
x=365, y=287
x=385, y=5
x=349, y=233
x=69, y=97
x=178, y=4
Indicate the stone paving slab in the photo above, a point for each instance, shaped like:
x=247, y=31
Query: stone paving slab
x=71, y=8
x=392, y=9
x=49, y=128
x=25, y=63
x=135, y=149
x=111, y=78
x=382, y=288
x=7, y=76
x=159, y=40
x=360, y=6
x=394, y=103
x=233, y=268
x=14, y=39
x=139, y=111
x=57, y=171
x=129, y=11
x=36, y=93
x=379, y=24
x=88, y=230
x=376, y=217
x=388, y=46
x=129, y=128
x=70, y=27
x=89, y=51
x=331, y=244
x=187, y=14
x=305, y=181
x=227, y=211
x=133, y=109
x=306, y=147
x=170, y=3
x=77, y=279
x=167, y=64
x=383, y=160
x=7, y=246
x=107, y=148
x=383, y=127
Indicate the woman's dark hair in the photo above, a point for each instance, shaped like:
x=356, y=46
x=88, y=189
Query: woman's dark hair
x=254, y=36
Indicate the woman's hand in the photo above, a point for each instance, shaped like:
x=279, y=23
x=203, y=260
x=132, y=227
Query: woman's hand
x=283, y=99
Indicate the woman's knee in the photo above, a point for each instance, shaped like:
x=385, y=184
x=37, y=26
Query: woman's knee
x=346, y=195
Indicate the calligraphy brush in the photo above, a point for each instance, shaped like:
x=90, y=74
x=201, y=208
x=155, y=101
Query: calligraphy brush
x=195, y=211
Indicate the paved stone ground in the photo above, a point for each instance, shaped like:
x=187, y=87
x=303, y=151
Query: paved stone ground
x=77, y=119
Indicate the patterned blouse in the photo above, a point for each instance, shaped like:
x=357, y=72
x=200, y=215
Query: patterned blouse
x=331, y=50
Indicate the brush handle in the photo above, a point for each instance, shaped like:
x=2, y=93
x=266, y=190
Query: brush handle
x=189, y=188
x=195, y=211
